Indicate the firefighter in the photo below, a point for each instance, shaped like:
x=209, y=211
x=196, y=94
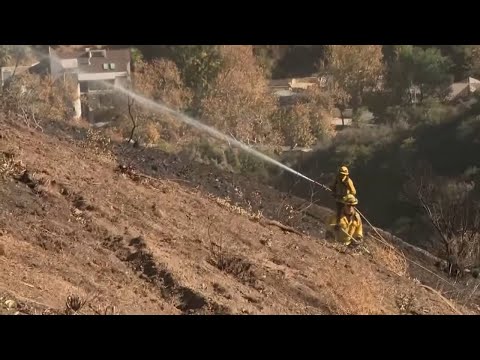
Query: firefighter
x=342, y=186
x=350, y=223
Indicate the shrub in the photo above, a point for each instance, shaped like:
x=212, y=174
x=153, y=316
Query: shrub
x=35, y=98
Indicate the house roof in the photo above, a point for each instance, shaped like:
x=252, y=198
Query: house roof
x=40, y=67
x=7, y=71
x=456, y=89
x=72, y=51
x=18, y=69
x=120, y=57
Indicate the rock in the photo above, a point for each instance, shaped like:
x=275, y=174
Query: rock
x=77, y=212
x=11, y=304
x=158, y=212
x=2, y=250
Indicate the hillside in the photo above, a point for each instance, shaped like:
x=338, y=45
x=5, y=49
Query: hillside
x=167, y=242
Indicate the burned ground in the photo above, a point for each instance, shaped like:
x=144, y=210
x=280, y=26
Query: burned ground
x=143, y=232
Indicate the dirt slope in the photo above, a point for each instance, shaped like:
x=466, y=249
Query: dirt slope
x=75, y=223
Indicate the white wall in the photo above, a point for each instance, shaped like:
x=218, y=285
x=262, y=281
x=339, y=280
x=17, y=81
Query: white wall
x=100, y=76
x=77, y=103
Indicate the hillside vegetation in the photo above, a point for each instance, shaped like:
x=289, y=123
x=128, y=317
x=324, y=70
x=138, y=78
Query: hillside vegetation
x=179, y=223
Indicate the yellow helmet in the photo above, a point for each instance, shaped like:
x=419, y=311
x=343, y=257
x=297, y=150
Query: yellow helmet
x=343, y=170
x=350, y=200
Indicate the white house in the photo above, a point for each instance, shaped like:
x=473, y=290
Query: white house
x=92, y=69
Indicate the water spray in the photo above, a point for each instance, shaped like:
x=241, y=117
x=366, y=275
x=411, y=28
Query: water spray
x=155, y=106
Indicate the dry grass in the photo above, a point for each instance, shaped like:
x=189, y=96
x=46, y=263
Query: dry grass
x=236, y=209
x=389, y=258
x=235, y=265
x=152, y=133
x=9, y=166
x=348, y=294
x=308, y=277
x=74, y=304
x=361, y=299
x=406, y=303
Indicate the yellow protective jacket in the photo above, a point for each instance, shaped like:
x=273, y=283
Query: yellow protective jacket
x=351, y=225
x=341, y=188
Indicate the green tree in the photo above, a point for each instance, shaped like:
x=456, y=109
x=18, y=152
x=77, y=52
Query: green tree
x=199, y=66
x=427, y=69
x=473, y=63
x=137, y=57
x=465, y=59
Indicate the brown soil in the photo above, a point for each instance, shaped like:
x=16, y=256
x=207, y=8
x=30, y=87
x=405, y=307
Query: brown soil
x=140, y=232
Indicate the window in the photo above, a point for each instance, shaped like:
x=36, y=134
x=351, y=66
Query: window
x=83, y=86
x=112, y=66
x=105, y=66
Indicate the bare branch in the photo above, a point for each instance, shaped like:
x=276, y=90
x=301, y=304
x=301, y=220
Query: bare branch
x=448, y=207
x=131, y=103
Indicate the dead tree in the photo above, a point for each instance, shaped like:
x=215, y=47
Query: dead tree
x=133, y=119
x=454, y=215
